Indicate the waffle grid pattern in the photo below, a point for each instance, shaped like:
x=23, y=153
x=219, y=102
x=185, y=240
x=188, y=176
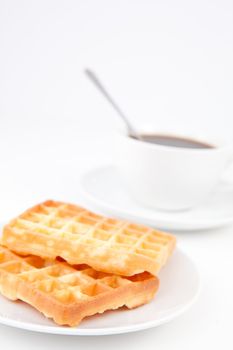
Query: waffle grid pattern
x=71, y=289
x=120, y=247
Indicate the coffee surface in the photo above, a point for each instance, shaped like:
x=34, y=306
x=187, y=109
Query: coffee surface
x=174, y=141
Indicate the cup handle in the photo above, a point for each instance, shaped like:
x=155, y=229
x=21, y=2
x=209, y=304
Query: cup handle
x=227, y=178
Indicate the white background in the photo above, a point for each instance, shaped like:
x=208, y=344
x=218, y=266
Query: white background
x=167, y=63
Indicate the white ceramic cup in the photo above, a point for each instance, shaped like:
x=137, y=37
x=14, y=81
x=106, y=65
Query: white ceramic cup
x=170, y=178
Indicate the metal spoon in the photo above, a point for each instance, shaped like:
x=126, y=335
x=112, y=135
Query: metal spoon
x=92, y=76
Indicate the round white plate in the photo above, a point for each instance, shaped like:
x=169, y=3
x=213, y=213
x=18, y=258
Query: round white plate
x=179, y=287
x=103, y=188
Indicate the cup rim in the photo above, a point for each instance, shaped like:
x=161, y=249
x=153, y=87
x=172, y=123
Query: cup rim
x=218, y=145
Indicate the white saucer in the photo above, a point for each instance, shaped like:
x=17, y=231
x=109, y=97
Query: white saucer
x=103, y=188
x=179, y=287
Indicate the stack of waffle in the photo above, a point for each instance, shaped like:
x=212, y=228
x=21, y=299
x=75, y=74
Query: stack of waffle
x=70, y=263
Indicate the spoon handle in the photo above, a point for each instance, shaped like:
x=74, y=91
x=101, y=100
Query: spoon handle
x=92, y=76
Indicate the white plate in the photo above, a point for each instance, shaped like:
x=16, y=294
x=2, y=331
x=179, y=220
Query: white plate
x=179, y=288
x=103, y=188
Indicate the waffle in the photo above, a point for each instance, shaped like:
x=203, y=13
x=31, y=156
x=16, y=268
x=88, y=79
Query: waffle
x=79, y=236
x=69, y=293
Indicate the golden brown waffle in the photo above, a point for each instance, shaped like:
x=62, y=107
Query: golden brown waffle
x=79, y=236
x=69, y=293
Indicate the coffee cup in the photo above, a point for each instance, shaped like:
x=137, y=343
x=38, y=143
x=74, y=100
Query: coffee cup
x=163, y=175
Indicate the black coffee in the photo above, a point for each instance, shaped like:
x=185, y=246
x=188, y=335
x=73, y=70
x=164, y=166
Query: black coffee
x=174, y=141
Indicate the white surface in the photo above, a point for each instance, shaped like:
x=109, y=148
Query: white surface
x=104, y=189
x=175, y=62
x=178, y=290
